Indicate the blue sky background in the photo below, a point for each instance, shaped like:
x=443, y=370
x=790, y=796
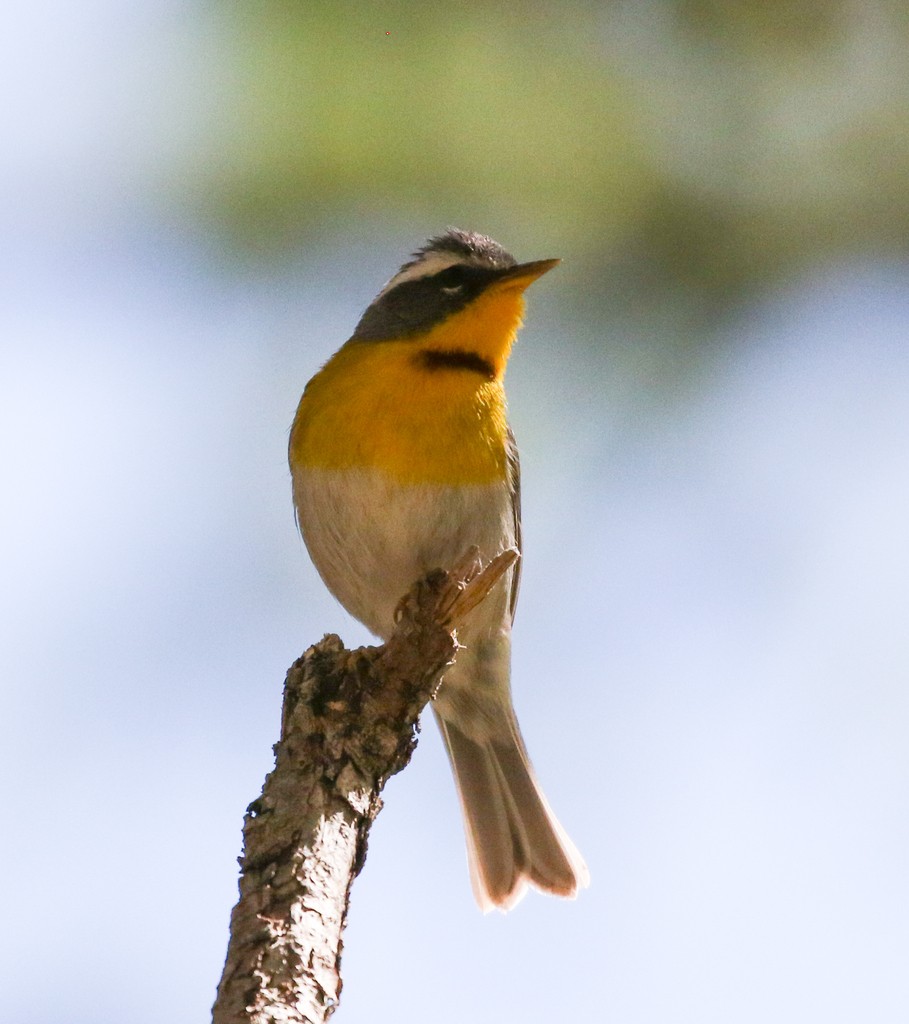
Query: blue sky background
x=711, y=651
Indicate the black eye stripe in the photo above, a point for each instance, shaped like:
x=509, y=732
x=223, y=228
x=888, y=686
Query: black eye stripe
x=416, y=304
x=452, y=276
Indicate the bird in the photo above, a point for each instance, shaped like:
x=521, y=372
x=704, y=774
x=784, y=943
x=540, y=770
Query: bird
x=402, y=458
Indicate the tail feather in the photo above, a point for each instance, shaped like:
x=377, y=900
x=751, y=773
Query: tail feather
x=513, y=838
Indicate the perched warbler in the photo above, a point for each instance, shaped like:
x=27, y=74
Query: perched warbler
x=402, y=458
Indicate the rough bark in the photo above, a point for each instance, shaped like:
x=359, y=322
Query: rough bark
x=349, y=723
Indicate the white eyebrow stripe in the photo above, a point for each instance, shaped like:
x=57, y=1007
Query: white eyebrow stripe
x=428, y=264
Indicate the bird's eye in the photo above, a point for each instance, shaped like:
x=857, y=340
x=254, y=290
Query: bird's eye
x=452, y=279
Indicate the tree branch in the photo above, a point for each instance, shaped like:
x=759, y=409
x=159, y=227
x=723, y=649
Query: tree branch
x=349, y=723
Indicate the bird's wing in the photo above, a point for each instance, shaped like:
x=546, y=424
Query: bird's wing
x=514, y=473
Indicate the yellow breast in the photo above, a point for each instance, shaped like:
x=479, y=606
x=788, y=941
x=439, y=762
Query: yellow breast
x=377, y=405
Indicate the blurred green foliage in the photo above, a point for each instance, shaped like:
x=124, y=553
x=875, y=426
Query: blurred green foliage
x=701, y=146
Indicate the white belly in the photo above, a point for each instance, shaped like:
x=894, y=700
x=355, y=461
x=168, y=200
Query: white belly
x=371, y=538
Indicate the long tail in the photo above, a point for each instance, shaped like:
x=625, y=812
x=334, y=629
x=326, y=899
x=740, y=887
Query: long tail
x=513, y=838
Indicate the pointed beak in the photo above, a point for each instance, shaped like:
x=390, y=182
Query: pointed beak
x=523, y=275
